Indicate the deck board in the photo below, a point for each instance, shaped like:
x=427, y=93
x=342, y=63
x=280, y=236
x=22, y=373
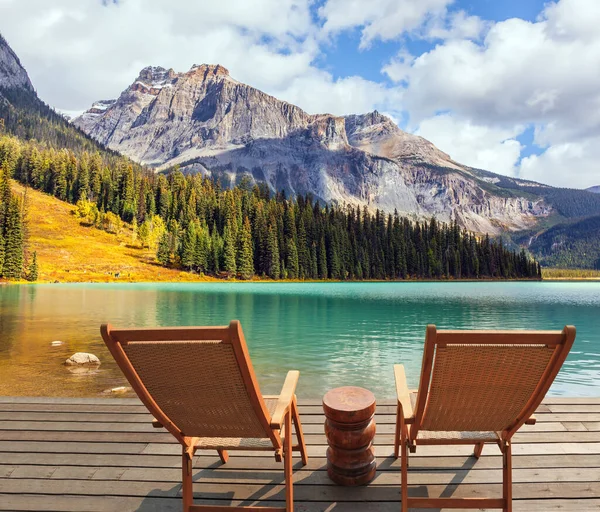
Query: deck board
x=100, y=454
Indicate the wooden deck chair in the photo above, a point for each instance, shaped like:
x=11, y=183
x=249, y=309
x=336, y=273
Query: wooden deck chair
x=476, y=387
x=198, y=382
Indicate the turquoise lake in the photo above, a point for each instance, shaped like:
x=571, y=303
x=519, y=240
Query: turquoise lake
x=334, y=333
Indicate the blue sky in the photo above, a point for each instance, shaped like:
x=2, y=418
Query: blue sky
x=505, y=85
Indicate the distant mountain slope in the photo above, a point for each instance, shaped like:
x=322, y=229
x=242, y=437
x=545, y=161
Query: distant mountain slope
x=569, y=245
x=205, y=121
x=595, y=189
x=23, y=114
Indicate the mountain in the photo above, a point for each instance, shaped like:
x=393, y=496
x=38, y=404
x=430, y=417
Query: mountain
x=574, y=244
x=12, y=73
x=23, y=114
x=595, y=189
x=205, y=121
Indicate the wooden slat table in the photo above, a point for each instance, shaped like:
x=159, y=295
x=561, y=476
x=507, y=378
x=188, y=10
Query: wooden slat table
x=103, y=455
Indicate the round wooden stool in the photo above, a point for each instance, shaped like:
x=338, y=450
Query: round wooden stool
x=350, y=429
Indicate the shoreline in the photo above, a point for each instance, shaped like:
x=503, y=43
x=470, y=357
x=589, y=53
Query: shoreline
x=298, y=281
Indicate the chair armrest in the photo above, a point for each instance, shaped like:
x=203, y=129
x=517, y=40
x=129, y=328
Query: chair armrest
x=285, y=399
x=402, y=392
x=531, y=421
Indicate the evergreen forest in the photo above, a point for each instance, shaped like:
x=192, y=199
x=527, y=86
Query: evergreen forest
x=200, y=225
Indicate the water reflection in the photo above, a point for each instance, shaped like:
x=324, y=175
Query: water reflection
x=335, y=334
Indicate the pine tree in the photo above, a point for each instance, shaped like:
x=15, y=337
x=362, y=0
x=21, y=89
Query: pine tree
x=216, y=246
x=1, y=253
x=188, y=247
x=274, y=266
x=202, y=249
x=229, y=250
x=13, y=252
x=291, y=263
x=245, y=262
x=163, y=253
x=322, y=262
x=32, y=273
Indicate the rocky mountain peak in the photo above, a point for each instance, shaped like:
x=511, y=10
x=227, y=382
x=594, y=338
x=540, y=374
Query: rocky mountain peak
x=207, y=71
x=12, y=73
x=155, y=74
x=207, y=122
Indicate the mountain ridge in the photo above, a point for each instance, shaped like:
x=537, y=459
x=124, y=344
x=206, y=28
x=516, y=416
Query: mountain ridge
x=359, y=157
x=205, y=121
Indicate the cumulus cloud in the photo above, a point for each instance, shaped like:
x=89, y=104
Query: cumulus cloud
x=380, y=19
x=565, y=165
x=479, y=146
x=542, y=73
x=79, y=52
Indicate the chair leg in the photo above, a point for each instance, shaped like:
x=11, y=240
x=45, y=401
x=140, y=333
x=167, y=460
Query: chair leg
x=186, y=478
x=507, y=477
x=223, y=455
x=287, y=460
x=403, y=467
x=299, y=433
x=478, y=450
x=397, y=433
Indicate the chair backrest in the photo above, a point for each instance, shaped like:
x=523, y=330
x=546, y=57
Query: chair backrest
x=196, y=381
x=486, y=380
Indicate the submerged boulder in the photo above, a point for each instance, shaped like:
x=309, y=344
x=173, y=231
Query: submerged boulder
x=82, y=358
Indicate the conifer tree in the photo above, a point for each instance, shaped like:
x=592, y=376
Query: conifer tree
x=33, y=271
x=188, y=247
x=274, y=266
x=322, y=262
x=216, y=245
x=13, y=251
x=1, y=254
x=245, y=263
x=202, y=249
x=291, y=263
x=163, y=253
x=229, y=250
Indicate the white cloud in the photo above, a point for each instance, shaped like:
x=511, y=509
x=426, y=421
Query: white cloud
x=572, y=164
x=456, y=25
x=317, y=92
x=479, y=146
x=379, y=19
x=543, y=73
x=79, y=52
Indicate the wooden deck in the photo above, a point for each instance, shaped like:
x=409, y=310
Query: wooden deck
x=103, y=455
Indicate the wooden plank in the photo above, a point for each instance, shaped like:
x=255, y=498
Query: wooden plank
x=42, y=503
x=574, y=408
x=224, y=475
x=310, y=428
x=212, y=461
x=386, y=450
x=307, y=419
x=242, y=491
x=579, y=435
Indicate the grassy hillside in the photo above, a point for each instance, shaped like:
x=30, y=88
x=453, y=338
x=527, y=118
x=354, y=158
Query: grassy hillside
x=70, y=252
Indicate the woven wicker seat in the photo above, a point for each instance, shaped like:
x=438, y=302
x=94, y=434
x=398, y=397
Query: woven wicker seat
x=476, y=387
x=199, y=384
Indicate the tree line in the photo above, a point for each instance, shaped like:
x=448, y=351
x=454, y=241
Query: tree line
x=199, y=225
x=15, y=263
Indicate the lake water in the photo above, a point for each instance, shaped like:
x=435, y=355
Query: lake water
x=334, y=333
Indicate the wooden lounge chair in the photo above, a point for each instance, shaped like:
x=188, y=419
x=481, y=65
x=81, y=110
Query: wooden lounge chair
x=476, y=387
x=198, y=382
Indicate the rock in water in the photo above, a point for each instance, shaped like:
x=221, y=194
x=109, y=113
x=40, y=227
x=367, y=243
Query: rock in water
x=57, y=343
x=82, y=358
